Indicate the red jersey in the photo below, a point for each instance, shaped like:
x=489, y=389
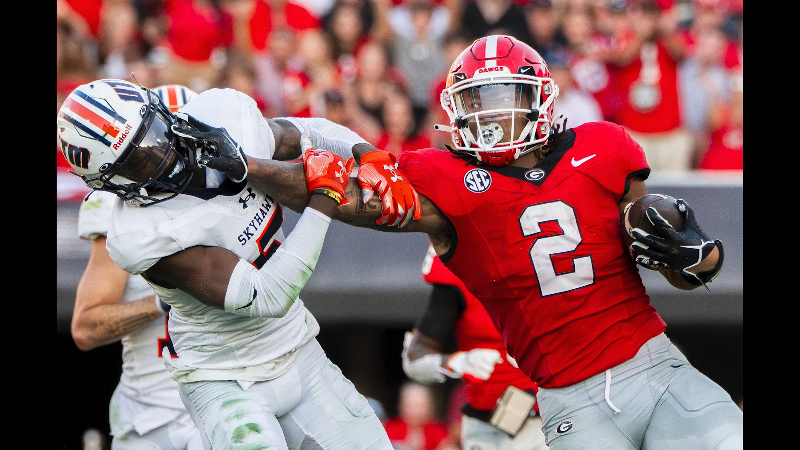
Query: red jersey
x=474, y=329
x=542, y=250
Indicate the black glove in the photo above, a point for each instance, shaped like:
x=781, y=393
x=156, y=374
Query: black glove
x=214, y=147
x=673, y=250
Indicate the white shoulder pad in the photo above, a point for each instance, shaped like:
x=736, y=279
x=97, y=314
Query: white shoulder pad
x=95, y=215
x=239, y=115
x=135, y=239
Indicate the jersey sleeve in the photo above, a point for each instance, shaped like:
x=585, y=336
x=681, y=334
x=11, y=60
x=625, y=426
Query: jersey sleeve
x=415, y=166
x=94, y=215
x=623, y=157
x=136, y=240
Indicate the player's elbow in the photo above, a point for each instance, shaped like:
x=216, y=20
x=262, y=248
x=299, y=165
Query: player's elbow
x=81, y=335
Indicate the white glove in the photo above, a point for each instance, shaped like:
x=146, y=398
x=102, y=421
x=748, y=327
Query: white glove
x=425, y=370
x=478, y=362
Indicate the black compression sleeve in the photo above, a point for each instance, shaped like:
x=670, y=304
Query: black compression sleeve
x=445, y=305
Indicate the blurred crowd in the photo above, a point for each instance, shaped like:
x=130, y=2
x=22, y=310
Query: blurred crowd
x=669, y=71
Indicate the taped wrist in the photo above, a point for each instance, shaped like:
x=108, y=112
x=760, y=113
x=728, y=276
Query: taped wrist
x=273, y=289
x=327, y=135
x=702, y=278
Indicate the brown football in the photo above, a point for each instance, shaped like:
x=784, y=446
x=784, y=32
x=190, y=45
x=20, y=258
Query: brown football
x=635, y=214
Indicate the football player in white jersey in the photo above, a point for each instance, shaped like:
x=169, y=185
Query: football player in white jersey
x=110, y=304
x=250, y=370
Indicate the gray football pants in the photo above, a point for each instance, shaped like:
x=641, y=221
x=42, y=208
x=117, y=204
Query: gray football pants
x=654, y=401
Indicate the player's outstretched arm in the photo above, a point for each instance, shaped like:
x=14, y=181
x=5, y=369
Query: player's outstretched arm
x=218, y=277
x=286, y=183
x=100, y=316
x=423, y=359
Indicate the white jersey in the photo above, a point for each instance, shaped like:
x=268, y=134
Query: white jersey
x=149, y=396
x=213, y=344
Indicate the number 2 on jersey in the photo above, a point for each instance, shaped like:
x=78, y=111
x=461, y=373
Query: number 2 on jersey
x=543, y=249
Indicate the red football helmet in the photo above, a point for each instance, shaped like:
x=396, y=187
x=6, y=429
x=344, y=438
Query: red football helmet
x=499, y=97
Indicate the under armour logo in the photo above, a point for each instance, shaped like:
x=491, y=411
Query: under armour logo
x=340, y=174
x=250, y=194
x=395, y=176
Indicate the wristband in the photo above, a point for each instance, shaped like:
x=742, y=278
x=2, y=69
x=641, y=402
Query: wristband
x=329, y=192
x=700, y=279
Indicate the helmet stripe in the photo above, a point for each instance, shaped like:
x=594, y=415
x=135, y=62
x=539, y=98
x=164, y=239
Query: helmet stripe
x=491, y=51
x=93, y=134
x=172, y=95
x=91, y=117
x=100, y=106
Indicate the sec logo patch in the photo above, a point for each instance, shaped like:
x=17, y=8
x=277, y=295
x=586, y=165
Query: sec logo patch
x=477, y=180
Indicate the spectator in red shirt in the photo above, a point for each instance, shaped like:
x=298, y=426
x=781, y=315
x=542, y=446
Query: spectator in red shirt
x=376, y=80
x=400, y=133
x=415, y=427
x=240, y=74
x=271, y=14
x=316, y=55
x=454, y=44
x=349, y=32
x=712, y=14
x=647, y=80
x=196, y=29
x=725, y=151
x=281, y=79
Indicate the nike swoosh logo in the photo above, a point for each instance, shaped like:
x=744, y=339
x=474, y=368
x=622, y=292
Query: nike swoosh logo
x=576, y=163
x=251, y=301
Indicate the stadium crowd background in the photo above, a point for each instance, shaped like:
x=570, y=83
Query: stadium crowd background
x=377, y=66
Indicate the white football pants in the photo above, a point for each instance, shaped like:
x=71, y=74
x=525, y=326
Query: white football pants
x=311, y=406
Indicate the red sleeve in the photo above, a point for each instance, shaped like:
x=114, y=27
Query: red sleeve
x=414, y=166
x=439, y=274
x=623, y=157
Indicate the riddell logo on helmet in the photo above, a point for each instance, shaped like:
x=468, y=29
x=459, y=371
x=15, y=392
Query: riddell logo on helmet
x=491, y=69
x=122, y=136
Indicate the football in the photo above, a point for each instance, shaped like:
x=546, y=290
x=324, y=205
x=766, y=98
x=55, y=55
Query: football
x=635, y=214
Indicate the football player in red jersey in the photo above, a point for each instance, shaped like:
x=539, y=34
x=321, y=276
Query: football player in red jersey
x=481, y=362
x=528, y=216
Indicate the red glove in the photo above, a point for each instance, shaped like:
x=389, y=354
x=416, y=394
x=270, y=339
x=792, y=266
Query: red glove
x=327, y=172
x=378, y=171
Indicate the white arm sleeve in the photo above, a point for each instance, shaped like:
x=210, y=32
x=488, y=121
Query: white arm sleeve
x=273, y=289
x=327, y=135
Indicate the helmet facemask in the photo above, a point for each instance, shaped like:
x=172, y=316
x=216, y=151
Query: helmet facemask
x=499, y=116
x=154, y=161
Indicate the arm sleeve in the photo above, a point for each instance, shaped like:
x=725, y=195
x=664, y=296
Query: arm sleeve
x=327, y=135
x=445, y=305
x=273, y=289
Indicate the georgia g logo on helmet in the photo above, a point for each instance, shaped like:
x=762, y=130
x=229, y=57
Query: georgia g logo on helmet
x=116, y=137
x=499, y=97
